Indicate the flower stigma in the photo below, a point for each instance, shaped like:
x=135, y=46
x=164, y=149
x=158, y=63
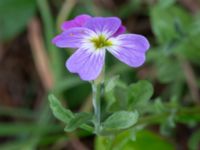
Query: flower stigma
x=101, y=41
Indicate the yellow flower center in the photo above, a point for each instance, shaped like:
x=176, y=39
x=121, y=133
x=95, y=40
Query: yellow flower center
x=100, y=42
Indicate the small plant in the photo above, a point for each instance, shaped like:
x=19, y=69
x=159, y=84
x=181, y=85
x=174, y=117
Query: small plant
x=92, y=37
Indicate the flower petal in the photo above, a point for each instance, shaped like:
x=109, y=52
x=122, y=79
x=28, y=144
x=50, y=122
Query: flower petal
x=135, y=41
x=79, y=21
x=68, y=25
x=108, y=25
x=72, y=38
x=130, y=49
x=88, y=64
x=121, y=30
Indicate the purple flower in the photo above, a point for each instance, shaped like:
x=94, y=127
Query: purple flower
x=92, y=36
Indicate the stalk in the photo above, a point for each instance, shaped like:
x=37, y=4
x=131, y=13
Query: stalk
x=97, y=89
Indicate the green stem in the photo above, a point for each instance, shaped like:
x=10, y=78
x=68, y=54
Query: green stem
x=96, y=100
x=96, y=90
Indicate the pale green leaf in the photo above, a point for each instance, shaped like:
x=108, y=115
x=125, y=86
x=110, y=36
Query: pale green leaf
x=111, y=84
x=139, y=93
x=59, y=111
x=77, y=121
x=120, y=120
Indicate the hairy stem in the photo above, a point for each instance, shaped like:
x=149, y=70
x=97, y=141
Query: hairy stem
x=96, y=90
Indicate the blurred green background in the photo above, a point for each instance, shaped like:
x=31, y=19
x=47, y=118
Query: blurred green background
x=31, y=68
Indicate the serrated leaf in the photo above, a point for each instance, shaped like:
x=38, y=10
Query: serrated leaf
x=14, y=15
x=139, y=93
x=120, y=120
x=59, y=111
x=77, y=121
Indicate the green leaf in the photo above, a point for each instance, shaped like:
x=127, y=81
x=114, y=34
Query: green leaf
x=101, y=143
x=77, y=121
x=158, y=106
x=167, y=69
x=168, y=21
x=139, y=93
x=148, y=140
x=166, y=128
x=115, y=90
x=144, y=140
x=164, y=3
x=189, y=48
x=120, y=120
x=59, y=111
x=109, y=91
x=111, y=83
x=14, y=16
x=110, y=99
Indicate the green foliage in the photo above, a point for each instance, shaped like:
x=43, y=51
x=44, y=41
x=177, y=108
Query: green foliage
x=189, y=48
x=77, y=121
x=166, y=21
x=158, y=106
x=112, y=83
x=14, y=16
x=59, y=111
x=129, y=8
x=115, y=91
x=176, y=30
x=177, y=36
x=167, y=68
x=120, y=120
x=120, y=96
x=164, y=3
x=194, y=141
x=139, y=94
x=72, y=121
x=144, y=139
